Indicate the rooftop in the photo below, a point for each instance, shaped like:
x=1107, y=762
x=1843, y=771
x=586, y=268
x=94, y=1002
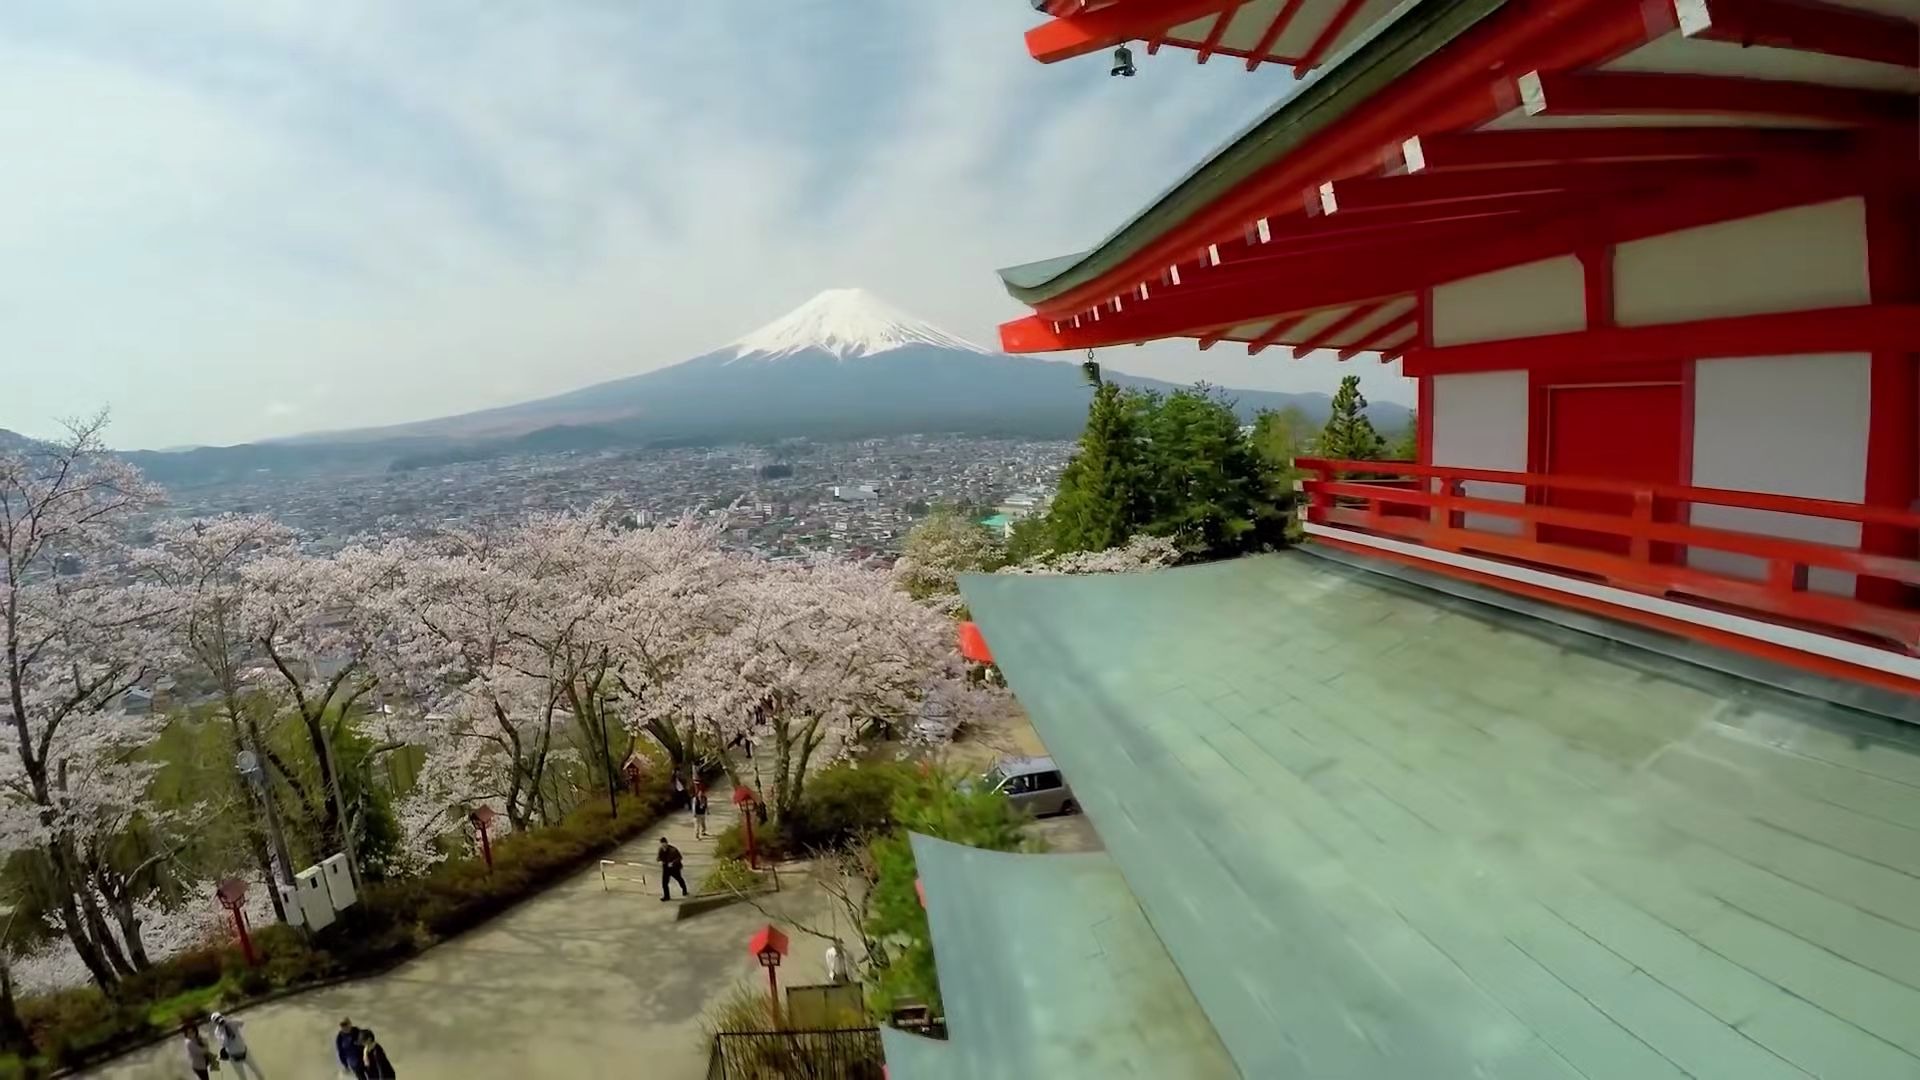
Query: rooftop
x=1386, y=832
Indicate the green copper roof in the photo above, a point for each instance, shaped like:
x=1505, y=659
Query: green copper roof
x=1048, y=969
x=1388, y=833
x=1403, y=38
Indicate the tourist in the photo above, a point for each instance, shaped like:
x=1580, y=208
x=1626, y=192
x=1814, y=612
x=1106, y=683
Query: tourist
x=670, y=862
x=700, y=812
x=373, y=1058
x=199, y=1058
x=233, y=1047
x=346, y=1044
x=838, y=970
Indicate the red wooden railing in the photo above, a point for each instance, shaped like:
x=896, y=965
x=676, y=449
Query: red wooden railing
x=1636, y=537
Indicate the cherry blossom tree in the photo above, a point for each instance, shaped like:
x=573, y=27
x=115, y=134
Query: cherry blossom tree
x=322, y=623
x=202, y=562
x=817, y=655
x=77, y=638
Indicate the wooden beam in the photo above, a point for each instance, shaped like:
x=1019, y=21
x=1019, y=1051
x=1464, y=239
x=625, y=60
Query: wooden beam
x=1258, y=54
x=1804, y=26
x=1374, y=194
x=1219, y=30
x=1387, y=332
x=1280, y=328
x=1446, y=93
x=1454, y=152
x=1103, y=28
x=1868, y=328
x=1317, y=51
x=1324, y=338
x=1381, y=270
x=1623, y=93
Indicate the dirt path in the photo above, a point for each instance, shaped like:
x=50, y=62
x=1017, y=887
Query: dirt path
x=575, y=982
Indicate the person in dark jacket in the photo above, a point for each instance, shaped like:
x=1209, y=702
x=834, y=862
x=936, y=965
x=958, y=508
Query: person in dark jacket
x=373, y=1058
x=346, y=1044
x=670, y=864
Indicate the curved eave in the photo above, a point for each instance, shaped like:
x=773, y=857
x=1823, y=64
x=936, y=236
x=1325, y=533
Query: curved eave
x=1400, y=41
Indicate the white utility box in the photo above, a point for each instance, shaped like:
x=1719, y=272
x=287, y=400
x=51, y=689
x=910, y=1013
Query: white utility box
x=339, y=882
x=314, y=902
x=290, y=901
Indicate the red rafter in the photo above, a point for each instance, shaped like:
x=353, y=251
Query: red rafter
x=1091, y=31
x=1373, y=194
x=1804, y=26
x=1361, y=313
x=1258, y=54
x=1318, y=50
x=1446, y=93
x=1452, y=152
x=1388, y=330
x=1281, y=327
x=1623, y=93
x=1383, y=270
x=1219, y=30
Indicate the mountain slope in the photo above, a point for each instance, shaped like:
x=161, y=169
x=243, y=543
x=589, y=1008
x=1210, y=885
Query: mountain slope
x=842, y=365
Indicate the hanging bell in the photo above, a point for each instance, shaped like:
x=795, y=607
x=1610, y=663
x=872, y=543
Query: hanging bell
x=1123, y=63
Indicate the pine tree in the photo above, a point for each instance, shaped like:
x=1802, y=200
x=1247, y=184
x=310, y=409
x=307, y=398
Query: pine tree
x=1103, y=493
x=1349, y=435
x=1212, y=491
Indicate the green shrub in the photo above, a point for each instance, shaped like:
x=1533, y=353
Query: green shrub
x=843, y=801
x=730, y=875
x=731, y=843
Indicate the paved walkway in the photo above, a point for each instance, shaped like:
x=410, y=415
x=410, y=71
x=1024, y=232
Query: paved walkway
x=575, y=982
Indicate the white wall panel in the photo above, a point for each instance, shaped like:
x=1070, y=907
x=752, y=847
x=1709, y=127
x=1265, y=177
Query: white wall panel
x=1790, y=260
x=1789, y=425
x=1546, y=297
x=1480, y=422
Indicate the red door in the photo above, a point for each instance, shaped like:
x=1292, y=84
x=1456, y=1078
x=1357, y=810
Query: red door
x=1630, y=432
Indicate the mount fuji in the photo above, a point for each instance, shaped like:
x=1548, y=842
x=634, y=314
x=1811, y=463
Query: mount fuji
x=843, y=365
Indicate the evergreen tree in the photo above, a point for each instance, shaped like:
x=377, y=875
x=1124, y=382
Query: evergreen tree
x=1103, y=496
x=1349, y=435
x=1406, y=445
x=1211, y=491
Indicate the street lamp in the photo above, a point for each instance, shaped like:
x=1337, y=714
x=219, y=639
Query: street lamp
x=768, y=946
x=743, y=798
x=232, y=895
x=482, y=817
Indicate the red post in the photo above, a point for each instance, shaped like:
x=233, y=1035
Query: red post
x=246, y=939
x=482, y=817
x=743, y=798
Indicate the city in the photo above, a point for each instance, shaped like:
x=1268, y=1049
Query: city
x=793, y=499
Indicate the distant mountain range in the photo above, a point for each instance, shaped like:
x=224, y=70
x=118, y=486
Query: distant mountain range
x=843, y=365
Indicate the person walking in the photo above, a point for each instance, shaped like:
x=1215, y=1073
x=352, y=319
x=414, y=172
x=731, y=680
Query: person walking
x=700, y=812
x=233, y=1047
x=670, y=863
x=346, y=1045
x=199, y=1058
x=373, y=1058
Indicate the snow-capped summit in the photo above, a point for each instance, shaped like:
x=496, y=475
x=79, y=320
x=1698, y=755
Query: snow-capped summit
x=845, y=323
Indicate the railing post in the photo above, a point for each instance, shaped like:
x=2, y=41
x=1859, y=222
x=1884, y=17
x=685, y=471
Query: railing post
x=1638, y=546
x=1445, y=519
x=1319, y=503
x=1785, y=575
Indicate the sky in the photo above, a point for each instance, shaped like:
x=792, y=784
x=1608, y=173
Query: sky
x=227, y=220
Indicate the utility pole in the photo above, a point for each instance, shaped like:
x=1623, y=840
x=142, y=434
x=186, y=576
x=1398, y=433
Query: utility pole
x=253, y=768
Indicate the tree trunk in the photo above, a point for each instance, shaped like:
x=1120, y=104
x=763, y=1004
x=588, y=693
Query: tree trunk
x=13, y=1033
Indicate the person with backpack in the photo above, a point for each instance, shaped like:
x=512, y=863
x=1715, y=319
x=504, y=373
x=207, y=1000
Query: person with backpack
x=200, y=1060
x=233, y=1047
x=670, y=870
x=374, y=1064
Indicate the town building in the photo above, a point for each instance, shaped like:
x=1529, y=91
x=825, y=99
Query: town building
x=1584, y=744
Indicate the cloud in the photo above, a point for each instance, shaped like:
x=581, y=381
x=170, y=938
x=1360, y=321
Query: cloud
x=376, y=212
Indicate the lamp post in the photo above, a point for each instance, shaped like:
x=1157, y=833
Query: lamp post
x=232, y=895
x=482, y=817
x=743, y=798
x=768, y=946
x=255, y=775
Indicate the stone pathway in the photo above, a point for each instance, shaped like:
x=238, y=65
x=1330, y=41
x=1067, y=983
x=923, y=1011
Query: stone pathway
x=574, y=982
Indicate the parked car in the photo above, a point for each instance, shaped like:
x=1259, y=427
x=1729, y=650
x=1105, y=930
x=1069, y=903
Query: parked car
x=1032, y=784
